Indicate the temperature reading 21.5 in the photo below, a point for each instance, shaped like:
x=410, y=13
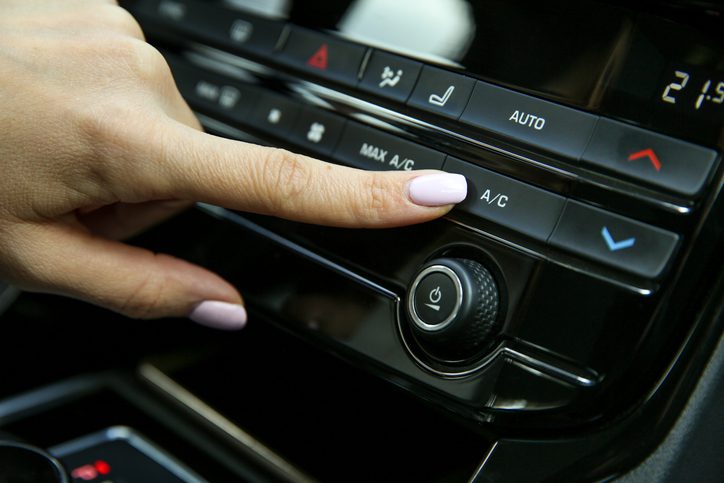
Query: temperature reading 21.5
x=711, y=91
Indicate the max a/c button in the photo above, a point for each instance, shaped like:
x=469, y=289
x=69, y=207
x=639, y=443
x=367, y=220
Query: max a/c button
x=614, y=240
x=367, y=148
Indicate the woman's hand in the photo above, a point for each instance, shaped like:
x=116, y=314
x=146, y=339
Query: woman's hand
x=97, y=144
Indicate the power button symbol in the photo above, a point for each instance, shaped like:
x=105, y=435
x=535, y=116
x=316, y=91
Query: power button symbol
x=435, y=296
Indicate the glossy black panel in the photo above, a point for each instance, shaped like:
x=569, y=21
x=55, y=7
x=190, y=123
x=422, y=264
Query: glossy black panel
x=604, y=56
x=331, y=420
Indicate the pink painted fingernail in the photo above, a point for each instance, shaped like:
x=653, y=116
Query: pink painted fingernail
x=438, y=189
x=219, y=315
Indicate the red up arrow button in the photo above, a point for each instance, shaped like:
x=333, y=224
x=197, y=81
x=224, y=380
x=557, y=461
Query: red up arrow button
x=646, y=153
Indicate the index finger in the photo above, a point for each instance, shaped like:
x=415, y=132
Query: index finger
x=188, y=164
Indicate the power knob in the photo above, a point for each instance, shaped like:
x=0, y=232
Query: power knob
x=453, y=305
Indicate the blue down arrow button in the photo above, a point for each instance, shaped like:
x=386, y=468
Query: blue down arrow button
x=616, y=245
x=623, y=243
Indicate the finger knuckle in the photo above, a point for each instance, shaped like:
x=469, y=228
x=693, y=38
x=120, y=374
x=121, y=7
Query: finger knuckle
x=377, y=199
x=120, y=19
x=141, y=60
x=144, y=299
x=287, y=181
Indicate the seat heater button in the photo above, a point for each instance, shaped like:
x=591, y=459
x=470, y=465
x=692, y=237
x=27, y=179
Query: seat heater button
x=614, y=240
x=441, y=92
x=532, y=121
x=507, y=202
x=367, y=148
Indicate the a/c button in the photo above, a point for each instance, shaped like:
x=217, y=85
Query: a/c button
x=507, y=202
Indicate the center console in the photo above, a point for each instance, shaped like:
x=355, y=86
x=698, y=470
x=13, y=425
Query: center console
x=560, y=315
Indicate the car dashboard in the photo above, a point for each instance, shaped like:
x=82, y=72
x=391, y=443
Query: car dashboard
x=562, y=323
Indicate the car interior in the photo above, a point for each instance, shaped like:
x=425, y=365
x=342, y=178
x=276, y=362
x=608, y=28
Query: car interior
x=562, y=323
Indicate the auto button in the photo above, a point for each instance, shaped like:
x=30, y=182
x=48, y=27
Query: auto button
x=532, y=121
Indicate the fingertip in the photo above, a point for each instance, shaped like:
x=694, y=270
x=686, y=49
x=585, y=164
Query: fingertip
x=437, y=189
x=219, y=315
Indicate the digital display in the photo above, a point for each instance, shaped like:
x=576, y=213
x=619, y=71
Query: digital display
x=694, y=91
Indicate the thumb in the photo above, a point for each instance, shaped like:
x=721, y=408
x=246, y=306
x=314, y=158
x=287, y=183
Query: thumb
x=65, y=259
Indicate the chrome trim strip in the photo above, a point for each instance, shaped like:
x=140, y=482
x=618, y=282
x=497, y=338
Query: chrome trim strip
x=134, y=439
x=550, y=369
x=37, y=400
x=187, y=399
x=481, y=466
x=570, y=376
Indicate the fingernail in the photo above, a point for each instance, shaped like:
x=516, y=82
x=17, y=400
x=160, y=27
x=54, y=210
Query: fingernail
x=438, y=189
x=219, y=315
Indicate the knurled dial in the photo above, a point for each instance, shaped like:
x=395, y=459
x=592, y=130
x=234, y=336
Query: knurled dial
x=453, y=308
